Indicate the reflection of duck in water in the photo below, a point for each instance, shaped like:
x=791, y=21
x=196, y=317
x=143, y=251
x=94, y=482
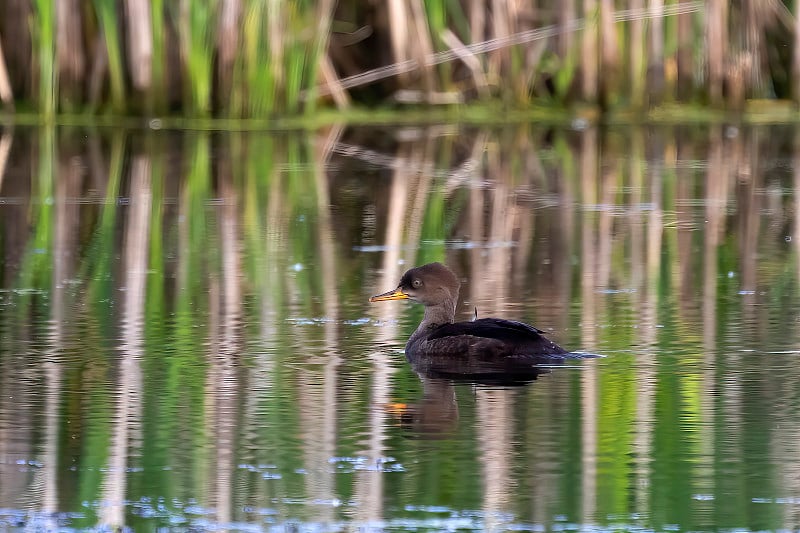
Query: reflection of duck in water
x=485, y=347
x=435, y=415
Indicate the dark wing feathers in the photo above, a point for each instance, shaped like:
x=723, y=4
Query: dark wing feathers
x=490, y=328
x=488, y=348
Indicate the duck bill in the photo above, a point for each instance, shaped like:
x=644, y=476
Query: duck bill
x=394, y=294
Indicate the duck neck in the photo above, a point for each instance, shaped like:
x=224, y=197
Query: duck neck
x=442, y=313
x=435, y=316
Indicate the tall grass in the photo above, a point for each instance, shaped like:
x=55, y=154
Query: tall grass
x=195, y=23
x=324, y=17
x=107, y=16
x=45, y=42
x=254, y=94
x=436, y=14
x=159, y=88
x=261, y=58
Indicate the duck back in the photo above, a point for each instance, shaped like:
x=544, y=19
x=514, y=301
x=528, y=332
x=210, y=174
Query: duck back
x=485, y=339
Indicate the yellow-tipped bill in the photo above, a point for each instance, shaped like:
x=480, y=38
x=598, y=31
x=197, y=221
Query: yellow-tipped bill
x=394, y=294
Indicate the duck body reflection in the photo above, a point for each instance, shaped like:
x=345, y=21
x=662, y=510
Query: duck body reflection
x=486, y=347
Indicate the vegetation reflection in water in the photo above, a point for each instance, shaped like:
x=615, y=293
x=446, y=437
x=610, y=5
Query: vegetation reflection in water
x=186, y=339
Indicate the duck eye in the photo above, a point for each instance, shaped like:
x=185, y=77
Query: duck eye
x=416, y=284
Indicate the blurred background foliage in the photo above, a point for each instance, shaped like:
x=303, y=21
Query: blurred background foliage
x=267, y=58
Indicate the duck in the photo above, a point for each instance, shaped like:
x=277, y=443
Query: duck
x=483, y=346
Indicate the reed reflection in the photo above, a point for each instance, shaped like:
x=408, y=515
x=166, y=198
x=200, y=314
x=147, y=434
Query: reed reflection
x=126, y=433
x=229, y=274
x=63, y=268
x=320, y=405
x=224, y=383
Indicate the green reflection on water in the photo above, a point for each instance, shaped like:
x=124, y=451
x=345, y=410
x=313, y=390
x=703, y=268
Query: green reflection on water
x=185, y=327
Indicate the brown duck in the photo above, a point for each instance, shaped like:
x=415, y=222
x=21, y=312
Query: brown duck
x=479, y=347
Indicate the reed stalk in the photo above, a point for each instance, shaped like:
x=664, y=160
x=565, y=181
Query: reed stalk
x=685, y=57
x=159, y=82
x=276, y=39
x=291, y=44
x=107, y=16
x=636, y=45
x=566, y=51
x=523, y=60
x=227, y=36
x=421, y=44
x=139, y=21
x=610, y=85
x=669, y=60
x=260, y=58
x=324, y=16
x=399, y=32
x=70, y=59
x=6, y=95
x=589, y=74
x=796, y=58
x=498, y=28
x=296, y=58
x=258, y=90
x=44, y=39
x=195, y=22
x=470, y=60
x=655, y=66
x=716, y=36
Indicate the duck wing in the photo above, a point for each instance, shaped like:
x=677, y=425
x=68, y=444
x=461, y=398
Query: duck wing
x=490, y=328
x=491, y=338
x=486, y=349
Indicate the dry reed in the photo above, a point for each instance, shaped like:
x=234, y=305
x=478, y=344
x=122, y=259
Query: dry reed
x=261, y=58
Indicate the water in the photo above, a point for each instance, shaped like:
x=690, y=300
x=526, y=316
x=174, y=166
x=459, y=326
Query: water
x=186, y=341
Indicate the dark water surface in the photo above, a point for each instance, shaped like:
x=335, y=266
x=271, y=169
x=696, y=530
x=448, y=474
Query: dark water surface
x=186, y=342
